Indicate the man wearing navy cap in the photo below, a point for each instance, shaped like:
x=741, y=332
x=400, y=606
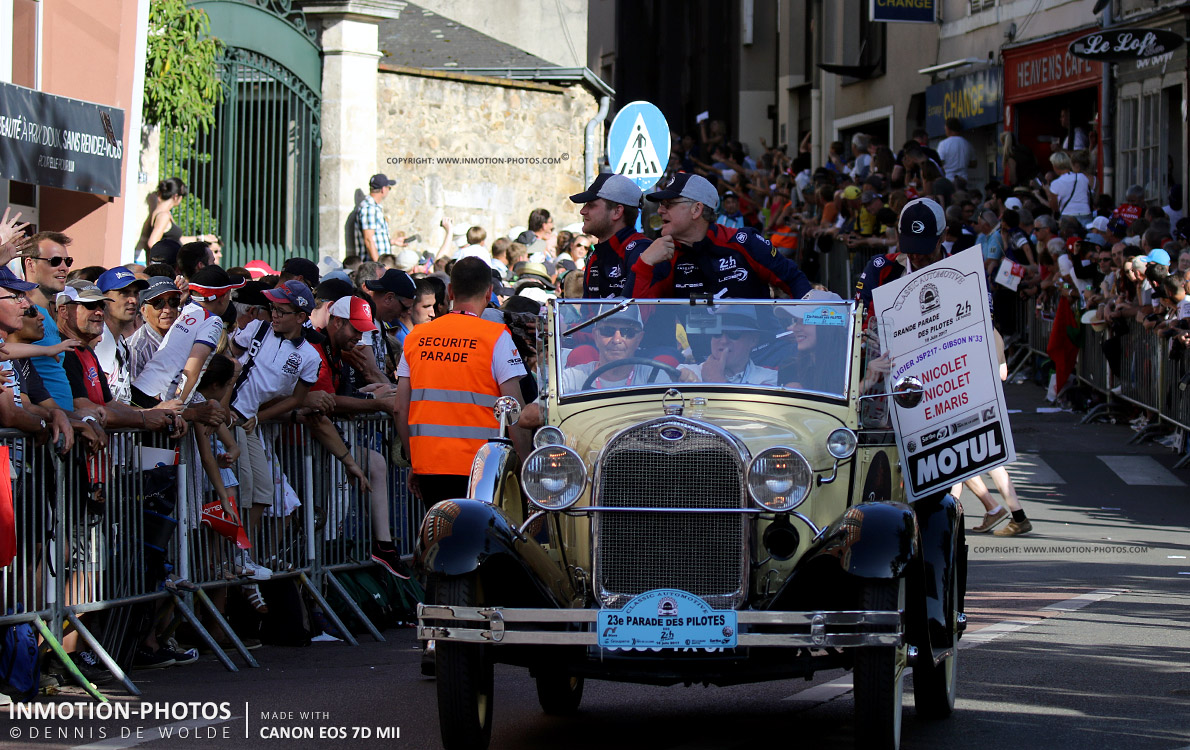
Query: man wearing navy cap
x=919, y=243
x=370, y=227
x=301, y=269
x=392, y=296
x=694, y=255
x=611, y=206
x=121, y=286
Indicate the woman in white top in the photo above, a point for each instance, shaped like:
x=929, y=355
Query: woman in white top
x=1070, y=193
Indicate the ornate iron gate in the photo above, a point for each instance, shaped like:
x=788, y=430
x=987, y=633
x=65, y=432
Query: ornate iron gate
x=256, y=172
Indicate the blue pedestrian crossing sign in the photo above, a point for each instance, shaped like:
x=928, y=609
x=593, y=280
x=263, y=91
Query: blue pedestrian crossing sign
x=638, y=144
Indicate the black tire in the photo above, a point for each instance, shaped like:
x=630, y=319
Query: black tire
x=464, y=677
x=879, y=677
x=936, y=685
x=559, y=693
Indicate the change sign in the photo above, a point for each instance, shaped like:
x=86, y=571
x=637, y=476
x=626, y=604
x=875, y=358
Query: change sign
x=936, y=326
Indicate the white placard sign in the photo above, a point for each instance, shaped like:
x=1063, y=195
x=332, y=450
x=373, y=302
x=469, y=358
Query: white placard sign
x=936, y=325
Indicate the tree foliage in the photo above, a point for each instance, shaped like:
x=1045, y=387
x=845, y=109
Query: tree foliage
x=182, y=85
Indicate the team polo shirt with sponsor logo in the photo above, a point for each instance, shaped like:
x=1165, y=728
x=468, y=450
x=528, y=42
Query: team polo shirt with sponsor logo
x=726, y=263
x=278, y=366
x=607, y=268
x=195, y=325
x=455, y=365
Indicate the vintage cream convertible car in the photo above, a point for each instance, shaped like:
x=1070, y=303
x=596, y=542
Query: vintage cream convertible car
x=713, y=500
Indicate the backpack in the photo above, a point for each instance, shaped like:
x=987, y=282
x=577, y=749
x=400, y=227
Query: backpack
x=20, y=669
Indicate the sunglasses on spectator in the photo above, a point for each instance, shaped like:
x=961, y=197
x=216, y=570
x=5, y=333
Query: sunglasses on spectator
x=669, y=203
x=92, y=305
x=162, y=302
x=58, y=260
x=627, y=332
x=733, y=335
x=30, y=313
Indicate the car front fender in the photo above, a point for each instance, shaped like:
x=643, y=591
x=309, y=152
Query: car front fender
x=462, y=536
x=939, y=520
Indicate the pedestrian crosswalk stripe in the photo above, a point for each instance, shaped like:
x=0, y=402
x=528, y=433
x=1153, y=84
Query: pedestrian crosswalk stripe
x=1141, y=470
x=1030, y=468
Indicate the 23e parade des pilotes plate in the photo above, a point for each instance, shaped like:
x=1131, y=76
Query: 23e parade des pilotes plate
x=667, y=618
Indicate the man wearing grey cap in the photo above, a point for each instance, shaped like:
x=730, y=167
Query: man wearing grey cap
x=694, y=255
x=370, y=227
x=611, y=206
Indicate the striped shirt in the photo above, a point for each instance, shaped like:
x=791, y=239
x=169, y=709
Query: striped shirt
x=369, y=215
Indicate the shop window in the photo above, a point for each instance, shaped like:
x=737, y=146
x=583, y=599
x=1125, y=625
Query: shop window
x=863, y=41
x=24, y=43
x=1140, y=144
x=978, y=6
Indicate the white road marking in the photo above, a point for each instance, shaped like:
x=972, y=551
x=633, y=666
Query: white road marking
x=828, y=691
x=1141, y=470
x=1030, y=468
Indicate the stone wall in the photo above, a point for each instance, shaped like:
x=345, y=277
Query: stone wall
x=426, y=120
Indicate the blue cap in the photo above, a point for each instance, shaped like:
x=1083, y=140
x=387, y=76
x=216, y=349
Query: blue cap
x=294, y=292
x=119, y=278
x=9, y=280
x=1157, y=255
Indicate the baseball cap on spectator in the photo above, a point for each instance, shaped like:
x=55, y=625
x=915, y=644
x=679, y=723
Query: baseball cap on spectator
x=1095, y=239
x=526, y=238
x=252, y=293
x=565, y=265
x=1159, y=257
x=355, y=311
x=295, y=293
x=499, y=287
x=338, y=273
x=613, y=187
x=920, y=225
x=78, y=291
x=303, y=267
x=158, y=285
x=211, y=282
x=868, y=196
x=534, y=272
x=850, y=193
x=380, y=180
x=165, y=251
x=10, y=280
x=333, y=290
x=394, y=280
x=686, y=185
x=407, y=259
x=259, y=269
x=989, y=216
x=1098, y=224
x=1013, y=202
x=119, y=278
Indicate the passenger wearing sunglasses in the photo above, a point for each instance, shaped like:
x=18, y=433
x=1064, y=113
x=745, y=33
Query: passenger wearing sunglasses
x=730, y=360
x=45, y=263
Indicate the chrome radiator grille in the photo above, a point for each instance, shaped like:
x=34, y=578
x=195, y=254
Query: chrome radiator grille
x=703, y=553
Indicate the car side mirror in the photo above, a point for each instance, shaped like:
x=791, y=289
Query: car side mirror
x=507, y=411
x=908, y=392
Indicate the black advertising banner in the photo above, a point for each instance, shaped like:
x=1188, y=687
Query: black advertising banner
x=59, y=142
x=1116, y=45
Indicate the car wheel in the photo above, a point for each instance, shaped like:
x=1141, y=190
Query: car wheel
x=879, y=675
x=558, y=693
x=936, y=685
x=464, y=676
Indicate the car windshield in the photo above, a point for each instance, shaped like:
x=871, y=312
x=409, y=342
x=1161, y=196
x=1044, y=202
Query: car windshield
x=782, y=344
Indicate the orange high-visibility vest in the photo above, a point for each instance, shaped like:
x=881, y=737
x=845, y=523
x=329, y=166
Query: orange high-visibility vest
x=785, y=236
x=453, y=391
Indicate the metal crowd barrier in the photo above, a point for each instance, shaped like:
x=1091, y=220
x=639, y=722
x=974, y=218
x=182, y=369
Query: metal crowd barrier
x=99, y=551
x=1149, y=377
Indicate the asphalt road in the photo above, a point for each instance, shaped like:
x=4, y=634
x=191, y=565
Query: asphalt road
x=1078, y=638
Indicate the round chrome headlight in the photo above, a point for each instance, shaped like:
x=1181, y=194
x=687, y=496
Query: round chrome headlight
x=779, y=479
x=841, y=443
x=548, y=435
x=554, y=477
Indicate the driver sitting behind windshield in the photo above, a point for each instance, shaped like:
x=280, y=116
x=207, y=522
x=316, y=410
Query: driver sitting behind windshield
x=731, y=351
x=616, y=338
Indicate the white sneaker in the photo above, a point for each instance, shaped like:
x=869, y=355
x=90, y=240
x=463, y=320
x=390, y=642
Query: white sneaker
x=249, y=569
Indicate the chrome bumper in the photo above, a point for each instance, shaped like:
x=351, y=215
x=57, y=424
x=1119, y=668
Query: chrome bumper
x=496, y=625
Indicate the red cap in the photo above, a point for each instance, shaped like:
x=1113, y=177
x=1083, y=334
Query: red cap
x=259, y=269
x=357, y=312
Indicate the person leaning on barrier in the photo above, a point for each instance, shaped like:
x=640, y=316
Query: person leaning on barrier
x=451, y=372
x=46, y=262
x=694, y=255
x=80, y=316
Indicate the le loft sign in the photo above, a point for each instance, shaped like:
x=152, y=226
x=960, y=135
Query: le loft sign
x=1115, y=45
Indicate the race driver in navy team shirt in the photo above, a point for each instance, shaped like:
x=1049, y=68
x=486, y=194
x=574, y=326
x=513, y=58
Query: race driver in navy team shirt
x=610, y=209
x=694, y=255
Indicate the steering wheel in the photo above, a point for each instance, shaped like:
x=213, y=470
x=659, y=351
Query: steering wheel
x=656, y=366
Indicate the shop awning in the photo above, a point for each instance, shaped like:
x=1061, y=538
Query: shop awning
x=60, y=142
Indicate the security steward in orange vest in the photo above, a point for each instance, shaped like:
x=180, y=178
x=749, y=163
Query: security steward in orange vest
x=451, y=372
